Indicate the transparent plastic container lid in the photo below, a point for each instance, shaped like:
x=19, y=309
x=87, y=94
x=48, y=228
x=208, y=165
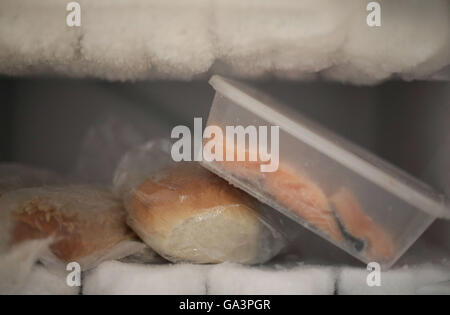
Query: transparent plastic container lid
x=362, y=204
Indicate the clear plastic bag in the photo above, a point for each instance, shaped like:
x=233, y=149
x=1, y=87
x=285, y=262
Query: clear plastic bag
x=16, y=264
x=145, y=256
x=15, y=176
x=86, y=224
x=186, y=213
x=102, y=147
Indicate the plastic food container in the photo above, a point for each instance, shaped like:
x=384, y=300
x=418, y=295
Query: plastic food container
x=362, y=204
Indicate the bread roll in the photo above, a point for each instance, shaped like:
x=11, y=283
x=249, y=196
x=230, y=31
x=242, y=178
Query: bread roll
x=186, y=213
x=87, y=223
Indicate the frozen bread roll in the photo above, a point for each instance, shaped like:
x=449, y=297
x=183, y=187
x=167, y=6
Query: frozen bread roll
x=86, y=224
x=186, y=213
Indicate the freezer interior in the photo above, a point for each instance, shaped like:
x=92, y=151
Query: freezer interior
x=93, y=202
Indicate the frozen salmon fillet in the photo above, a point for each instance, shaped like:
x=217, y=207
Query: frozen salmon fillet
x=378, y=244
x=302, y=196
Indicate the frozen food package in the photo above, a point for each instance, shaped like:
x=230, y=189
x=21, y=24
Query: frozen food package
x=14, y=176
x=86, y=224
x=360, y=203
x=186, y=213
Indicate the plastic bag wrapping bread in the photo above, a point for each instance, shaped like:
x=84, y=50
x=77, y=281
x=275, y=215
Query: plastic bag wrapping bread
x=16, y=265
x=14, y=176
x=186, y=213
x=144, y=256
x=20, y=273
x=103, y=145
x=86, y=224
